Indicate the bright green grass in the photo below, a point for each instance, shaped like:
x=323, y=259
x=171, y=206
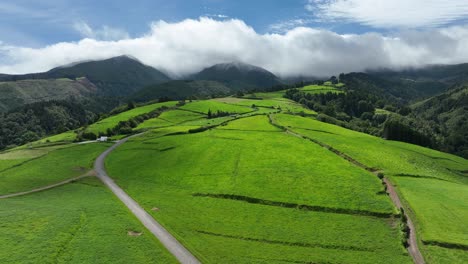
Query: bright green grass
x=254, y=123
x=284, y=105
x=154, y=123
x=208, y=122
x=77, y=223
x=430, y=198
x=68, y=136
x=165, y=171
x=214, y=106
x=15, y=157
x=55, y=166
x=316, y=89
x=179, y=116
x=440, y=255
x=398, y=157
x=431, y=184
x=111, y=122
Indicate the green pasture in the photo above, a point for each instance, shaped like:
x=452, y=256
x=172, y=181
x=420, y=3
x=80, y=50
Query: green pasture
x=317, y=89
x=54, y=166
x=432, y=183
x=203, y=107
x=112, y=121
x=81, y=222
x=202, y=184
x=284, y=105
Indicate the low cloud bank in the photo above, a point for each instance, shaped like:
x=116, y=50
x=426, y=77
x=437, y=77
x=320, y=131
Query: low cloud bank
x=190, y=45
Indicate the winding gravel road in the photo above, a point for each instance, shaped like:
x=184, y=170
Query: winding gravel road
x=177, y=249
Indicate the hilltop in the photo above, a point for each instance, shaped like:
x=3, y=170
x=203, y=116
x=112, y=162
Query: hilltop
x=239, y=76
x=118, y=76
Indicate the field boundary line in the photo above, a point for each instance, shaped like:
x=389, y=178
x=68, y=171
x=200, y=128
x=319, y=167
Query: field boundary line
x=88, y=174
x=412, y=248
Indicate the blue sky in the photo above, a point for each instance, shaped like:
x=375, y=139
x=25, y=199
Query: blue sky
x=288, y=37
x=45, y=22
x=36, y=23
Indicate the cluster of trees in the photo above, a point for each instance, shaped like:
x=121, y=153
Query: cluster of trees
x=37, y=120
x=396, y=129
x=218, y=113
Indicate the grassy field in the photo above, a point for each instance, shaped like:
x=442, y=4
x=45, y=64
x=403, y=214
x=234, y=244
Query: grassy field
x=277, y=103
x=316, y=89
x=204, y=106
x=431, y=183
x=76, y=223
x=243, y=191
x=180, y=116
x=15, y=157
x=243, y=209
x=27, y=171
x=111, y=122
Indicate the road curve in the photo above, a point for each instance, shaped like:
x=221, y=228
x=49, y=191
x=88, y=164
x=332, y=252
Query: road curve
x=177, y=249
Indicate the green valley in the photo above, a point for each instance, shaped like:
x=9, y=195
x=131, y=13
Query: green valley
x=267, y=176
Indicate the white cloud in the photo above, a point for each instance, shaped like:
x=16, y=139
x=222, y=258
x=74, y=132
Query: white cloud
x=391, y=13
x=104, y=33
x=190, y=45
x=217, y=16
x=285, y=26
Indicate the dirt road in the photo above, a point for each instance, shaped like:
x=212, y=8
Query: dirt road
x=177, y=249
x=413, y=248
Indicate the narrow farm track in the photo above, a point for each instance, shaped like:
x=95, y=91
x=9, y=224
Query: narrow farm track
x=413, y=240
x=413, y=248
x=172, y=245
x=40, y=189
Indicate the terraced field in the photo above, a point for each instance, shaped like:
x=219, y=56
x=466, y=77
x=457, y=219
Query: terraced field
x=68, y=223
x=203, y=107
x=266, y=197
x=255, y=186
x=111, y=122
x=24, y=170
x=80, y=222
x=275, y=103
x=433, y=184
x=316, y=89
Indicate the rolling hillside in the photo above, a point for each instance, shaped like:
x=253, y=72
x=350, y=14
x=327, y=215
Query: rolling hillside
x=408, y=84
x=446, y=116
x=242, y=180
x=239, y=76
x=118, y=76
x=15, y=94
x=177, y=90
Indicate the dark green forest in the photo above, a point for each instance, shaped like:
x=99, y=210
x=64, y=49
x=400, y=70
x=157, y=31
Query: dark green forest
x=37, y=120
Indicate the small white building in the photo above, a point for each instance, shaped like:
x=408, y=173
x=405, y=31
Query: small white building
x=102, y=139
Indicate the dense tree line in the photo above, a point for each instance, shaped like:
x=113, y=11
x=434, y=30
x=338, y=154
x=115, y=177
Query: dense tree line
x=357, y=110
x=35, y=121
x=446, y=118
